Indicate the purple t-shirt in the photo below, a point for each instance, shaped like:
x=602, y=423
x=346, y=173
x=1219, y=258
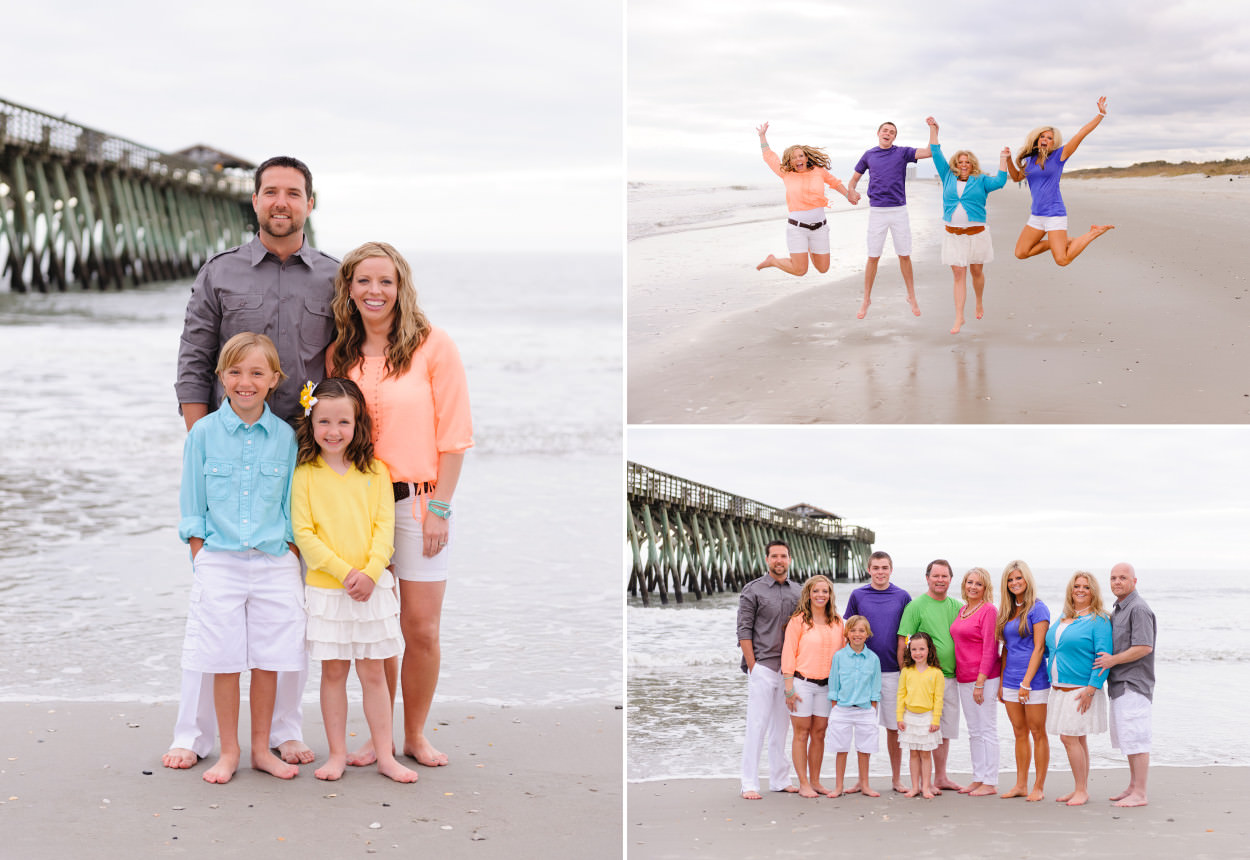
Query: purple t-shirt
x=887, y=176
x=883, y=609
x=1044, y=186
x=1019, y=650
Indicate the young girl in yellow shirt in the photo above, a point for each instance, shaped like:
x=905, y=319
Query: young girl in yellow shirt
x=920, y=689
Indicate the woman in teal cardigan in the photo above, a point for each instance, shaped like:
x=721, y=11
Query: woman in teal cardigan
x=966, y=244
x=1078, y=706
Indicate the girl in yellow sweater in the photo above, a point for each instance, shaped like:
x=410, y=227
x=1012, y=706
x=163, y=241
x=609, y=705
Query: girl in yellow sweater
x=920, y=689
x=343, y=513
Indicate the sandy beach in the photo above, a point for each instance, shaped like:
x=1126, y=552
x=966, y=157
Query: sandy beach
x=87, y=777
x=1150, y=325
x=1196, y=813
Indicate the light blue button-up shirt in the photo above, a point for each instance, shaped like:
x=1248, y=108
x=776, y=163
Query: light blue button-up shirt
x=855, y=679
x=236, y=483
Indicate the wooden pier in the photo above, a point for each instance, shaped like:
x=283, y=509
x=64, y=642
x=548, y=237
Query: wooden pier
x=689, y=537
x=85, y=208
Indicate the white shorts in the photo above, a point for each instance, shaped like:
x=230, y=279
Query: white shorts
x=801, y=240
x=950, y=710
x=409, y=557
x=1130, y=723
x=1036, y=697
x=1049, y=222
x=814, y=699
x=1063, y=717
x=892, y=220
x=965, y=250
x=247, y=612
x=889, y=699
x=858, y=725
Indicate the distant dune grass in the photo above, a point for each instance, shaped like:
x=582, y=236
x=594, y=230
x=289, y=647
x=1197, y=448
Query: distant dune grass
x=1227, y=167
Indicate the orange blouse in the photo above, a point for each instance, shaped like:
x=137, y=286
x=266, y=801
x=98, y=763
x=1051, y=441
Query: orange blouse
x=810, y=650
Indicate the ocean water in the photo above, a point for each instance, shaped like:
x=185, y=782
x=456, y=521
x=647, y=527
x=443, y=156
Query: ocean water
x=94, y=581
x=686, y=712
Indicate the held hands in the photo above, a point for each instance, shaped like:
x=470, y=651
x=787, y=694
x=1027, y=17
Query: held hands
x=852, y=196
x=358, y=586
x=933, y=124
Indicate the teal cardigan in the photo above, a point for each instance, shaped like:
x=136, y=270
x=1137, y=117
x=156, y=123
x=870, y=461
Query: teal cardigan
x=978, y=188
x=1076, y=651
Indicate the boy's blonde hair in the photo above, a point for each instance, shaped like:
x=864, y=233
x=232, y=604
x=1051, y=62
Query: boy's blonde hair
x=859, y=621
x=243, y=343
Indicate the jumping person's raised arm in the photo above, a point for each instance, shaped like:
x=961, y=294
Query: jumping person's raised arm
x=1071, y=145
x=1013, y=171
x=933, y=138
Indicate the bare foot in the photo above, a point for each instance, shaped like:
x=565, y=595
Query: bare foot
x=1099, y=230
x=1132, y=800
x=1123, y=794
x=868, y=792
x=397, y=771
x=820, y=789
x=1079, y=798
x=854, y=789
x=181, y=758
x=295, y=752
x=915, y=308
x=1015, y=791
x=959, y=322
x=983, y=791
x=751, y=795
x=929, y=795
x=968, y=789
x=768, y=261
x=837, y=792
x=269, y=763
x=789, y=789
x=1036, y=795
x=425, y=754
x=806, y=791
x=863, y=310
x=333, y=768
x=362, y=757
x=911, y=792
x=221, y=772
x=899, y=787
x=948, y=783
x=980, y=310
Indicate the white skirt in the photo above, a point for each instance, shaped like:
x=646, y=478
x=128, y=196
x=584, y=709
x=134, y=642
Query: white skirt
x=1063, y=718
x=965, y=250
x=916, y=735
x=340, y=628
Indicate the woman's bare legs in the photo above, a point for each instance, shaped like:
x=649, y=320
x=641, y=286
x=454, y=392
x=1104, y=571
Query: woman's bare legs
x=1078, y=759
x=420, y=612
x=978, y=286
x=1029, y=721
x=1065, y=250
x=1032, y=242
x=796, y=265
x=961, y=296
x=799, y=753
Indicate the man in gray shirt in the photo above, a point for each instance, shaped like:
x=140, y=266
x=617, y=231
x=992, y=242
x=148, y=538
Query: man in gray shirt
x=1131, y=680
x=279, y=286
x=764, y=608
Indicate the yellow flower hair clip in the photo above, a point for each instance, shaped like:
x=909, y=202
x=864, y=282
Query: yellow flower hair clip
x=306, y=398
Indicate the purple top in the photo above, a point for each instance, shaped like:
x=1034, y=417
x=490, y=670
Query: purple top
x=1044, y=185
x=1019, y=650
x=887, y=175
x=976, y=649
x=883, y=609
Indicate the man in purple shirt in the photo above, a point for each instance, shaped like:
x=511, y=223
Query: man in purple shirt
x=882, y=603
x=886, y=165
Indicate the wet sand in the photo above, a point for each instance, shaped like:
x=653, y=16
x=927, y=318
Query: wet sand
x=1150, y=325
x=1196, y=813
x=87, y=777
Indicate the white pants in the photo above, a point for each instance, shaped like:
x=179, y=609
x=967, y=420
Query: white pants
x=982, y=722
x=766, y=715
x=196, y=728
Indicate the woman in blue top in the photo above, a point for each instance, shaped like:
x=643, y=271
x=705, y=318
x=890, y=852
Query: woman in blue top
x=1022, y=624
x=966, y=244
x=1036, y=161
x=1078, y=706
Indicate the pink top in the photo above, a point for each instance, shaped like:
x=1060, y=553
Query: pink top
x=976, y=650
x=810, y=650
x=421, y=414
x=805, y=190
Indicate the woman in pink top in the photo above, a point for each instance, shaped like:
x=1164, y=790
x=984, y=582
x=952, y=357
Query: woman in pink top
x=418, y=401
x=977, y=672
x=813, y=634
x=805, y=172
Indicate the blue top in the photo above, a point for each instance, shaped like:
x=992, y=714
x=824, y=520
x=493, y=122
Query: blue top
x=976, y=189
x=887, y=174
x=884, y=610
x=1018, y=651
x=1044, y=185
x=1078, y=646
x=236, y=483
x=855, y=679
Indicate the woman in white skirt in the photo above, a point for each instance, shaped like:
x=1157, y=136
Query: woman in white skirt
x=1078, y=705
x=966, y=244
x=343, y=516
x=920, y=690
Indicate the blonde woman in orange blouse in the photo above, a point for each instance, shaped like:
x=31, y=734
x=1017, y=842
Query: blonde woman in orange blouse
x=813, y=635
x=418, y=400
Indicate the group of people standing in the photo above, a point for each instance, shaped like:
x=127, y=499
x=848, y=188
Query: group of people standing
x=966, y=245
x=327, y=424
x=911, y=665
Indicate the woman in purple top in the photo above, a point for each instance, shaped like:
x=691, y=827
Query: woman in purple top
x=977, y=671
x=1047, y=228
x=1022, y=624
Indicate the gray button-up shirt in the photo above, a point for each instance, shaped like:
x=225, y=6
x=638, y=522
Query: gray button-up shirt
x=247, y=289
x=1132, y=623
x=764, y=608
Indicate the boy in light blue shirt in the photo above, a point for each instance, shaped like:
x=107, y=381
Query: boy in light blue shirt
x=855, y=690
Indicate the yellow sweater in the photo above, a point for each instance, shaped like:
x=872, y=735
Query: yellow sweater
x=343, y=521
x=919, y=693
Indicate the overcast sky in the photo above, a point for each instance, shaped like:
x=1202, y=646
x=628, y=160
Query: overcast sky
x=1165, y=499
x=704, y=73
x=473, y=127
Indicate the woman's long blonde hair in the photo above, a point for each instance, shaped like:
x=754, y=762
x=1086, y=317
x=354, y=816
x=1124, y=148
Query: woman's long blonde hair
x=1095, y=596
x=816, y=157
x=1029, y=150
x=1007, y=601
x=409, y=326
x=805, y=602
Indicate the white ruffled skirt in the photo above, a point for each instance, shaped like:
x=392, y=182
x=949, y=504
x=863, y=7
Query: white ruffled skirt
x=340, y=628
